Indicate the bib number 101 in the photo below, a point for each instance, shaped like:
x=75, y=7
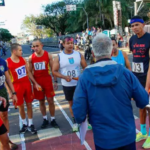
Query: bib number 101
x=72, y=73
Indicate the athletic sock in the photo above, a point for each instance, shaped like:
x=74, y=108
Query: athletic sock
x=30, y=122
x=52, y=118
x=45, y=117
x=143, y=129
x=149, y=132
x=24, y=121
x=73, y=119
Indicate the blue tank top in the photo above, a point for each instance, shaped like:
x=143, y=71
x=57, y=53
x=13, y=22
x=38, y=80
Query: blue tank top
x=119, y=59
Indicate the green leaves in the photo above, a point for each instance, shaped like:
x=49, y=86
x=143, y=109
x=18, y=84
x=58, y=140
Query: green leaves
x=5, y=35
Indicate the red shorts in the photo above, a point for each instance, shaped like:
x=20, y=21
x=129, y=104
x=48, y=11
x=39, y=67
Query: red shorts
x=24, y=92
x=1, y=122
x=47, y=88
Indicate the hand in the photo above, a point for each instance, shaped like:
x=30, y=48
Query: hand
x=15, y=99
x=10, y=95
x=147, y=90
x=67, y=78
x=38, y=87
x=55, y=86
x=3, y=101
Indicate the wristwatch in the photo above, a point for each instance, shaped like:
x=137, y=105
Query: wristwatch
x=14, y=93
x=56, y=81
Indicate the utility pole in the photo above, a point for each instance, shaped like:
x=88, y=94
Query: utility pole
x=87, y=18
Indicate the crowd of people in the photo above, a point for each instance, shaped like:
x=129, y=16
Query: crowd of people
x=103, y=92
x=3, y=48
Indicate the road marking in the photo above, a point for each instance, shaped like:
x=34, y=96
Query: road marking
x=135, y=117
x=49, y=133
x=137, y=131
x=23, y=145
x=71, y=124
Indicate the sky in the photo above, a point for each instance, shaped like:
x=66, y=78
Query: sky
x=15, y=11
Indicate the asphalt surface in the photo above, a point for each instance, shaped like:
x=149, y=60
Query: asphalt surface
x=64, y=125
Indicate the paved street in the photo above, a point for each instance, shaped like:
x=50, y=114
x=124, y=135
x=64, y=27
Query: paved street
x=50, y=138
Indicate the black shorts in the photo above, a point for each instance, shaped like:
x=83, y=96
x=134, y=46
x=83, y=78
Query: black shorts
x=3, y=93
x=3, y=129
x=69, y=92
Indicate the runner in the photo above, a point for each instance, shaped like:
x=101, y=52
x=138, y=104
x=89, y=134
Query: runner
x=140, y=45
x=3, y=131
x=119, y=56
x=69, y=62
x=40, y=64
x=4, y=110
x=18, y=70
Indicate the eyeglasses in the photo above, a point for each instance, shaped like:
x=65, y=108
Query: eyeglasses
x=35, y=46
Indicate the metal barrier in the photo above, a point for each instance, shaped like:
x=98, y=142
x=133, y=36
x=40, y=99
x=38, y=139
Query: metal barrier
x=54, y=41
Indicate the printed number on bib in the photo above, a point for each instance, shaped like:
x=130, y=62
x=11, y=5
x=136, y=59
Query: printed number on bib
x=72, y=73
x=21, y=72
x=39, y=66
x=2, y=80
x=138, y=67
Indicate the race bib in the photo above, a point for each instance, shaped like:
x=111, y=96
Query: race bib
x=21, y=72
x=138, y=67
x=2, y=80
x=39, y=66
x=72, y=72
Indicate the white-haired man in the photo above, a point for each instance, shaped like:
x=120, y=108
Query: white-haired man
x=104, y=92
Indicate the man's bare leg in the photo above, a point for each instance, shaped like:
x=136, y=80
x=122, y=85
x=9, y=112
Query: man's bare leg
x=4, y=142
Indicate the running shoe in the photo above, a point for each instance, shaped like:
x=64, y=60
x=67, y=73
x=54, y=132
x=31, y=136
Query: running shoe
x=32, y=129
x=146, y=143
x=140, y=137
x=45, y=124
x=75, y=127
x=13, y=146
x=54, y=123
x=24, y=129
x=89, y=127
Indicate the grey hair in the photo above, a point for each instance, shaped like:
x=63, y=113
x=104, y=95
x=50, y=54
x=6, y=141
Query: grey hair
x=102, y=45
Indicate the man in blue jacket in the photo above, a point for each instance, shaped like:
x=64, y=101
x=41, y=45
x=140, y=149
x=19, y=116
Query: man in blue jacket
x=104, y=92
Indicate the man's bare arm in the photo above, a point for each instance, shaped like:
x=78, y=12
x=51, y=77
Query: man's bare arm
x=30, y=65
x=148, y=78
x=8, y=84
x=127, y=62
x=83, y=62
x=29, y=71
x=51, y=65
x=55, y=70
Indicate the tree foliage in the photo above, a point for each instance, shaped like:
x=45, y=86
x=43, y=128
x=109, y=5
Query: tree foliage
x=100, y=14
x=5, y=35
x=29, y=24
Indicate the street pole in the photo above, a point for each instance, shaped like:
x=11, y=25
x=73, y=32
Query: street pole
x=135, y=8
